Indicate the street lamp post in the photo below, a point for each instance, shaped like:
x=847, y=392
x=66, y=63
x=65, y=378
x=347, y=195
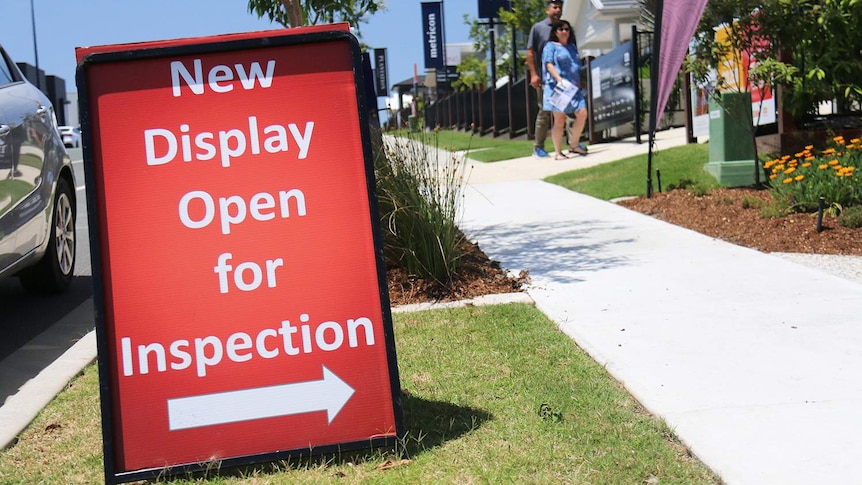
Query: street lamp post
x=35, y=49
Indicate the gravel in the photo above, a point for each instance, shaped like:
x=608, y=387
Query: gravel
x=848, y=267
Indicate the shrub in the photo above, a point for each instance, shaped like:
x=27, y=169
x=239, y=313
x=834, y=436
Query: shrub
x=772, y=211
x=851, y=217
x=799, y=181
x=419, y=191
x=751, y=203
x=699, y=190
x=681, y=184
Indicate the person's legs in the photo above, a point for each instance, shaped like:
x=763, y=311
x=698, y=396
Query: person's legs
x=543, y=120
x=557, y=134
x=576, y=129
x=570, y=120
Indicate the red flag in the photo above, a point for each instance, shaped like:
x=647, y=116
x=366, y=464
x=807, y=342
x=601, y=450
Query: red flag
x=678, y=23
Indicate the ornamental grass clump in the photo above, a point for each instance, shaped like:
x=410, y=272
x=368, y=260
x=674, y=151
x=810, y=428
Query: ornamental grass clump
x=851, y=217
x=797, y=182
x=419, y=191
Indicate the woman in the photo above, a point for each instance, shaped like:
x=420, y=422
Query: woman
x=562, y=66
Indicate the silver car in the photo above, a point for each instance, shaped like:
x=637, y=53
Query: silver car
x=37, y=187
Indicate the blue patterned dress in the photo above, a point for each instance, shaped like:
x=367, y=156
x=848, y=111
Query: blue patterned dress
x=567, y=62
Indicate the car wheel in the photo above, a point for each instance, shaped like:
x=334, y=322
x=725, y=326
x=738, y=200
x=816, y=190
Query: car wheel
x=53, y=272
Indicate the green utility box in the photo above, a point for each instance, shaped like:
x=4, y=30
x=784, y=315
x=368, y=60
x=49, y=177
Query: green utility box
x=731, y=149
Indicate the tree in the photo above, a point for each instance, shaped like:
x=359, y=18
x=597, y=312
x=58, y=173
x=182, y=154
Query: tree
x=825, y=38
x=732, y=32
x=473, y=69
x=524, y=14
x=812, y=45
x=733, y=36
x=520, y=19
x=295, y=13
x=472, y=73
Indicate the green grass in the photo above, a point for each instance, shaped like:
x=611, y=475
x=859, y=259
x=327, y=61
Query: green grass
x=681, y=165
x=492, y=395
x=482, y=148
x=30, y=160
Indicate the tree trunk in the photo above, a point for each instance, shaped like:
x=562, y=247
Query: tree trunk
x=294, y=12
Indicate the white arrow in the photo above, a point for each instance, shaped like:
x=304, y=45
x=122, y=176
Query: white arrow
x=329, y=394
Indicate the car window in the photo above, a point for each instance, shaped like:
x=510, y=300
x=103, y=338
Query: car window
x=5, y=72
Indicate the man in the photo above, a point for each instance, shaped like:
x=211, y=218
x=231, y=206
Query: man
x=539, y=34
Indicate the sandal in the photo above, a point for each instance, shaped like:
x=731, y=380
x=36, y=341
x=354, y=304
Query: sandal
x=580, y=150
x=561, y=156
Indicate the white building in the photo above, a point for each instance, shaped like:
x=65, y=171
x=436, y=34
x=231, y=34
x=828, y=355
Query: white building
x=601, y=25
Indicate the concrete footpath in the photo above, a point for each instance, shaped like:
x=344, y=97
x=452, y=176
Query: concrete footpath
x=752, y=359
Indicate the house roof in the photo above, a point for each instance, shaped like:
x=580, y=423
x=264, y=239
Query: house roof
x=407, y=84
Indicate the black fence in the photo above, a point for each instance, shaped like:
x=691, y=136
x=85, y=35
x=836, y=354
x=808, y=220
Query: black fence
x=495, y=112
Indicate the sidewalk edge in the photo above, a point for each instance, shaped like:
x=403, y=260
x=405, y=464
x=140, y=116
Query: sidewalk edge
x=20, y=409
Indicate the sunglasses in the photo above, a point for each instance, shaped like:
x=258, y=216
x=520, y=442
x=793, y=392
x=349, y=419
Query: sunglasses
x=563, y=29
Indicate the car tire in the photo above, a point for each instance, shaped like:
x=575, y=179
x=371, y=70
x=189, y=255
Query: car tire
x=53, y=273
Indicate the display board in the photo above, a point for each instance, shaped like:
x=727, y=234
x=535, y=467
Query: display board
x=241, y=306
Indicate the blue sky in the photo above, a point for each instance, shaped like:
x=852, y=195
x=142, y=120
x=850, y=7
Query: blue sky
x=62, y=26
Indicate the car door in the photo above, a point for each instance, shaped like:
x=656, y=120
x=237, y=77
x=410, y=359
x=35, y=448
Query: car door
x=26, y=118
x=7, y=237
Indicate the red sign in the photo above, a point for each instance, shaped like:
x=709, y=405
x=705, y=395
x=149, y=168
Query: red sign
x=241, y=302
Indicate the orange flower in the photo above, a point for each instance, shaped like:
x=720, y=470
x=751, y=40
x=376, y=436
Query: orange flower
x=799, y=178
x=788, y=180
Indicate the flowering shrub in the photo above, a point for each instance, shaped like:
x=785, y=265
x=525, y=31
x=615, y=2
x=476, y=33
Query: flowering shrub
x=799, y=181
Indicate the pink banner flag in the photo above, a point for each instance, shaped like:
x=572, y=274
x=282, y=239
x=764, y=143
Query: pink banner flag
x=679, y=21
